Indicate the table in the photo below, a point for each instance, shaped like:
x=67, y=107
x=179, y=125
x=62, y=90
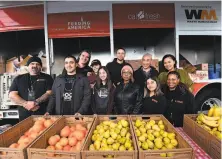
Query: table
x=199, y=152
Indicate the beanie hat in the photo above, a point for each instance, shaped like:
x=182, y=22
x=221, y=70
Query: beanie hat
x=34, y=59
x=127, y=67
x=95, y=62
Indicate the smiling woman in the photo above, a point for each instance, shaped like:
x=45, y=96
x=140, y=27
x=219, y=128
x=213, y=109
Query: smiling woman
x=180, y=101
x=127, y=97
x=169, y=63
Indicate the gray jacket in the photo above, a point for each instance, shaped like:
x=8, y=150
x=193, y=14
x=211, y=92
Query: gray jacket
x=81, y=95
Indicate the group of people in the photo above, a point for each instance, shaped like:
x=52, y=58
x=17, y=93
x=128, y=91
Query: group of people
x=112, y=89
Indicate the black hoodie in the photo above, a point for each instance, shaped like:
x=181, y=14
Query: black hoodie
x=115, y=70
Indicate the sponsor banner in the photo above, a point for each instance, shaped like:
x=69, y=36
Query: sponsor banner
x=198, y=16
x=22, y=18
x=145, y=15
x=78, y=24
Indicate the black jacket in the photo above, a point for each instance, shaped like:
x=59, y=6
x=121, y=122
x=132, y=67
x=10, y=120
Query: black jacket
x=154, y=105
x=179, y=102
x=140, y=77
x=102, y=105
x=81, y=95
x=127, y=99
x=115, y=70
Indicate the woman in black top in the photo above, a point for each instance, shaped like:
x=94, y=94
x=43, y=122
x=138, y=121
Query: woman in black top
x=180, y=100
x=154, y=101
x=83, y=63
x=127, y=98
x=102, y=93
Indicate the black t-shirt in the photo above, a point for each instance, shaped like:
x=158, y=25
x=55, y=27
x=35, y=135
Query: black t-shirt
x=67, y=95
x=41, y=84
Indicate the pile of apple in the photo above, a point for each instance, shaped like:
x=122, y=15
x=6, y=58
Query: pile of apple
x=39, y=126
x=70, y=138
x=153, y=136
x=111, y=136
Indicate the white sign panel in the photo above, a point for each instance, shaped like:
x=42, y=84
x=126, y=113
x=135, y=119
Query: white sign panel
x=198, y=16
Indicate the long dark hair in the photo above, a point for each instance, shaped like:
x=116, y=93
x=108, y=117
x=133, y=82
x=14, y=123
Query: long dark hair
x=64, y=72
x=99, y=81
x=157, y=91
x=170, y=56
x=81, y=54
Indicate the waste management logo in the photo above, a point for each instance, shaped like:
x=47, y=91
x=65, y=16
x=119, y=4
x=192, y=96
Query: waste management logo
x=143, y=16
x=79, y=25
x=200, y=14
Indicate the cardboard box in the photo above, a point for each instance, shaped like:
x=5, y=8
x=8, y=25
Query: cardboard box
x=199, y=75
x=203, y=66
x=155, y=64
x=2, y=65
x=10, y=66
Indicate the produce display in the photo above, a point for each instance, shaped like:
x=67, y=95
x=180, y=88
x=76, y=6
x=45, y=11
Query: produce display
x=112, y=136
x=70, y=138
x=39, y=126
x=153, y=136
x=212, y=121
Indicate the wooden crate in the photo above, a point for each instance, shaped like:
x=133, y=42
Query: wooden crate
x=184, y=150
x=86, y=154
x=37, y=150
x=189, y=125
x=208, y=142
x=13, y=134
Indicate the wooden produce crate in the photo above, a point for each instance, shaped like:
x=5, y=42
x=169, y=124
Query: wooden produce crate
x=208, y=142
x=13, y=134
x=37, y=150
x=87, y=154
x=184, y=150
x=189, y=125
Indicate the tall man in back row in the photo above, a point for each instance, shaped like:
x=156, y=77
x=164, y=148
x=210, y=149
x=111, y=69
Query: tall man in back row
x=116, y=66
x=31, y=91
